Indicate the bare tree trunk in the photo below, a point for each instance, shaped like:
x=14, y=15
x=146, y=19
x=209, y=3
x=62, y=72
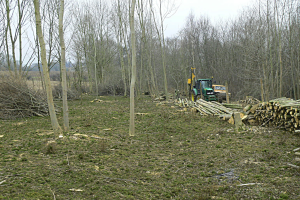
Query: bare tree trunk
x=120, y=47
x=13, y=41
x=63, y=68
x=95, y=67
x=280, y=51
x=163, y=53
x=7, y=51
x=20, y=38
x=133, y=76
x=56, y=128
x=152, y=75
x=160, y=33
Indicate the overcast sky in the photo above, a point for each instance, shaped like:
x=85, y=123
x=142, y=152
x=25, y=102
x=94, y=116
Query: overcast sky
x=215, y=10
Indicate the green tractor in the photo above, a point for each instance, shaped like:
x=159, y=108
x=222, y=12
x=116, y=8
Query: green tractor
x=201, y=88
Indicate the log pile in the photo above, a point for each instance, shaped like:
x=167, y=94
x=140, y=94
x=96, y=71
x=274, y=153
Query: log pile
x=206, y=108
x=283, y=113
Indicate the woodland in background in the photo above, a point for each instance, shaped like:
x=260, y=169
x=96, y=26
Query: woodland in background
x=258, y=49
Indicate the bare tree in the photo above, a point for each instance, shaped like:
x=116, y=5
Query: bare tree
x=17, y=15
x=63, y=67
x=2, y=27
x=57, y=129
x=133, y=76
x=119, y=29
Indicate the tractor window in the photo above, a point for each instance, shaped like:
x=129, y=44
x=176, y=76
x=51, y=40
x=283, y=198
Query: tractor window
x=206, y=84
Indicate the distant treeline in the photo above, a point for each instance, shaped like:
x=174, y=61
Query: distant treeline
x=55, y=67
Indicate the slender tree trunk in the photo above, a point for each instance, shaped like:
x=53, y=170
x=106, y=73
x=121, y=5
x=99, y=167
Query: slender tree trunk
x=122, y=64
x=133, y=76
x=20, y=38
x=271, y=88
x=120, y=47
x=11, y=36
x=7, y=51
x=38, y=61
x=161, y=44
x=95, y=67
x=56, y=128
x=152, y=73
x=63, y=68
x=163, y=49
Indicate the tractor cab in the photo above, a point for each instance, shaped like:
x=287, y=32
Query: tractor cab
x=203, y=89
x=200, y=88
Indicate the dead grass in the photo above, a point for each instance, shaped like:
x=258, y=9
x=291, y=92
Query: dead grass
x=37, y=84
x=175, y=155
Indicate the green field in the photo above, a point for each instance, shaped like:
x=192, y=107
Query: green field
x=174, y=155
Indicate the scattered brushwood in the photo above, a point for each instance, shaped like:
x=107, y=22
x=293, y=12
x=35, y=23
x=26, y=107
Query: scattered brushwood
x=205, y=107
x=17, y=100
x=296, y=159
x=249, y=100
x=72, y=93
x=163, y=97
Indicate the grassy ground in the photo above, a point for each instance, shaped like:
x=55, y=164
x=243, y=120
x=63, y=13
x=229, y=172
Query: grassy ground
x=177, y=155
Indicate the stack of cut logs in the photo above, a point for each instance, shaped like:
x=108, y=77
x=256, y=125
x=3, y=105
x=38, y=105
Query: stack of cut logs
x=282, y=113
x=206, y=107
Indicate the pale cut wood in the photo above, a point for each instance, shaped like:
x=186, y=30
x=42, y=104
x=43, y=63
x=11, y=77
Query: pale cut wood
x=242, y=115
x=225, y=117
x=296, y=149
x=206, y=108
x=231, y=120
x=233, y=106
x=237, y=120
x=248, y=107
x=294, y=166
x=254, y=108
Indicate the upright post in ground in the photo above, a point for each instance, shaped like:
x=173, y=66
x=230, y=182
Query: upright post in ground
x=237, y=121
